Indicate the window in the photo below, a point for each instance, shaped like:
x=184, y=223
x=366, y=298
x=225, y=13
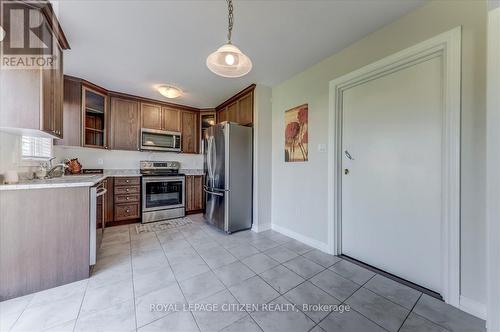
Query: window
x=39, y=148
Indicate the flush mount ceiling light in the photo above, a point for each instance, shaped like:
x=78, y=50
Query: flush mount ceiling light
x=228, y=60
x=169, y=91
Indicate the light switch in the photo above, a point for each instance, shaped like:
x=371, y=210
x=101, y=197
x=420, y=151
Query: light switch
x=321, y=147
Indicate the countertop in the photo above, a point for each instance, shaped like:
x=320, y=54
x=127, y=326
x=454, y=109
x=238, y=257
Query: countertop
x=83, y=180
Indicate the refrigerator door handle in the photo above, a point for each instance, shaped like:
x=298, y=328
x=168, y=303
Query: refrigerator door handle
x=212, y=192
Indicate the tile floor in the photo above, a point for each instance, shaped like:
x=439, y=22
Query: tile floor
x=196, y=264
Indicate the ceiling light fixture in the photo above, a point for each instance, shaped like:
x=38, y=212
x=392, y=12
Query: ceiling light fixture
x=169, y=91
x=228, y=60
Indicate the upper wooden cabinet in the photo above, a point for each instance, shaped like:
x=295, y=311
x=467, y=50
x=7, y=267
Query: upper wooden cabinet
x=238, y=109
x=95, y=118
x=189, y=130
x=31, y=99
x=245, y=109
x=155, y=116
x=171, y=119
x=125, y=124
x=151, y=115
x=72, y=108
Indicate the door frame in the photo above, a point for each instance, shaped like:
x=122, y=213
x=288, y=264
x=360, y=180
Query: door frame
x=492, y=177
x=447, y=46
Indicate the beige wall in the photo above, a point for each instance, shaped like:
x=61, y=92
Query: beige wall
x=299, y=190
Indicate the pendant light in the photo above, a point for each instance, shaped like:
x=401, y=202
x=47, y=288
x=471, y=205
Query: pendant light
x=228, y=60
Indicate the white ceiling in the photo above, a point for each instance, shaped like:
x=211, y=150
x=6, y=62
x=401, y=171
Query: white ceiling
x=130, y=46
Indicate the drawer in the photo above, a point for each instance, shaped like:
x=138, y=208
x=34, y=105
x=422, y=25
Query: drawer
x=132, y=198
x=127, y=190
x=127, y=211
x=127, y=181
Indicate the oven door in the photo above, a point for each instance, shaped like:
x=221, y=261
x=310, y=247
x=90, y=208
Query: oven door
x=162, y=192
x=160, y=140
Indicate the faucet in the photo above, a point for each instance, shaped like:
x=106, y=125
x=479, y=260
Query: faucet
x=51, y=173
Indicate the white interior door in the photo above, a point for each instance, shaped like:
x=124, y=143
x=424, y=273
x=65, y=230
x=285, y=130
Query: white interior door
x=391, y=196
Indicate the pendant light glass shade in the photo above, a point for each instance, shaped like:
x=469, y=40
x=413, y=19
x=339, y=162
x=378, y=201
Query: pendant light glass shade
x=229, y=61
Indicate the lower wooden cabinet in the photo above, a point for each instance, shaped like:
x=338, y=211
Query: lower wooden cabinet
x=127, y=198
x=194, y=193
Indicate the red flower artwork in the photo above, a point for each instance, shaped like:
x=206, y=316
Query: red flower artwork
x=296, y=133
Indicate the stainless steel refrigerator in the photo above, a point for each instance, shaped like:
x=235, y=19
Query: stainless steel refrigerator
x=227, y=148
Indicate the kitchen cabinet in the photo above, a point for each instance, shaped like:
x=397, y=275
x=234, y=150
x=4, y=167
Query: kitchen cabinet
x=171, y=119
x=31, y=100
x=125, y=121
x=238, y=109
x=151, y=115
x=155, y=116
x=95, y=118
x=127, y=193
x=189, y=130
x=194, y=193
x=72, y=109
x=245, y=109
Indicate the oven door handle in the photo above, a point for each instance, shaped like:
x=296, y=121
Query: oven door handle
x=213, y=192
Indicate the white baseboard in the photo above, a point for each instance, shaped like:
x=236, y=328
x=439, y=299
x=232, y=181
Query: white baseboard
x=302, y=238
x=256, y=228
x=472, y=307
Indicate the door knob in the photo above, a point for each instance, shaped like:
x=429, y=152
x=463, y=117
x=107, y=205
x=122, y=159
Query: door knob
x=346, y=171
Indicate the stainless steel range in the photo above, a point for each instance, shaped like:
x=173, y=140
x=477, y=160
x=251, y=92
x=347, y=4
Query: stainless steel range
x=162, y=191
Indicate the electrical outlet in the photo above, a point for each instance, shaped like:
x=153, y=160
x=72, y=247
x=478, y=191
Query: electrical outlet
x=100, y=161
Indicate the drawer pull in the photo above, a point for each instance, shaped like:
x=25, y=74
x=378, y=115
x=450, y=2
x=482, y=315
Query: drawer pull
x=127, y=198
x=127, y=181
x=127, y=210
x=127, y=190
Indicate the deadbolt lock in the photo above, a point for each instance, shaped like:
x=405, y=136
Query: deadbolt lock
x=346, y=171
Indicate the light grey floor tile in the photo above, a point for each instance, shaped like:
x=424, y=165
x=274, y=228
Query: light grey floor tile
x=11, y=310
x=286, y=321
x=145, y=244
x=415, y=323
x=181, y=255
x=264, y=243
x=74, y=289
x=152, y=281
x=246, y=324
x=349, y=321
x=168, y=236
x=229, y=242
x=303, y=267
x=218, y=319
x=447, y=316
x=260, y=263
x=322, y=258
x=352, y=272
x=217, y=257
x=394, y=291
x=281, y=254
x=201, y=286
x=148, y=261
x=176, y=245
x=110, y=274
x=378, y=309
x=317, y=329
x=64, y=327
x=165, y=301
x=120, y=317
x=45, y=315
x=114, y=238
x=308, y=298
x=253, y=291
x=243, y=251
x=190, y=268
x=298, y=247
x=280, y=238
x=334, y=284
x=233, y=273
x=103, y=297
x=281, y=278
x=120, y=248
x=178, y=322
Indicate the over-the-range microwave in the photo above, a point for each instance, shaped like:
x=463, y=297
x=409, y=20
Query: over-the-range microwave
x=160, y=140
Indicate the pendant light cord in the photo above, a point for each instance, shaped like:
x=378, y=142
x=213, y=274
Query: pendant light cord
x=230, y=20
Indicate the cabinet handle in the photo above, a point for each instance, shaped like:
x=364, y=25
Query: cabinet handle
x=127, y=210
x=127, y=190
x=127, y=181
x=127, y=198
